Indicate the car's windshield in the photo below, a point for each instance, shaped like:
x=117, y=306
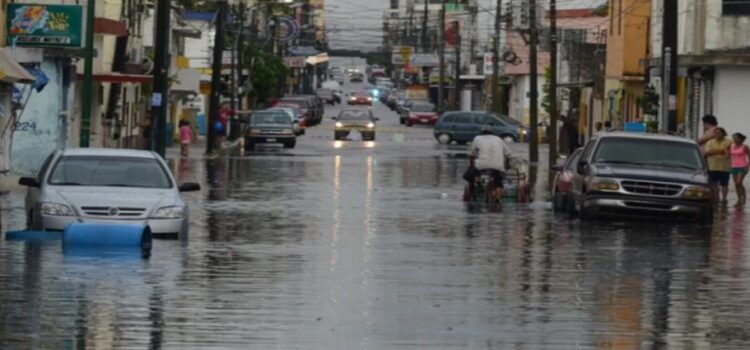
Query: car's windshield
x=109, y=171
x=422, y=107
x=354, y=115
x=671, y=154
x=288, y=111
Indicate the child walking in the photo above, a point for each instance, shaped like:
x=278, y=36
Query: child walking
x=186, y=137
x=740, y=162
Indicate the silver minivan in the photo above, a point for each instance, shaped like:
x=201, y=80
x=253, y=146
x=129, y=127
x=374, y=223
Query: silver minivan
x=106, y=186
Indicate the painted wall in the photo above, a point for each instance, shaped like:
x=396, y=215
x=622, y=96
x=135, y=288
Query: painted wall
x=627, y=42
x=520, y=102
x=731, y=104
x=38, y=127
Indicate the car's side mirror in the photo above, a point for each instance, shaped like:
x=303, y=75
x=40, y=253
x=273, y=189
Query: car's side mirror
x=334, y=118
x=189, y=187
x=28, y=181
x=582, y=167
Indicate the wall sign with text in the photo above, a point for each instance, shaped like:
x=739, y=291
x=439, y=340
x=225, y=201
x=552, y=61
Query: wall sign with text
x=44, y=25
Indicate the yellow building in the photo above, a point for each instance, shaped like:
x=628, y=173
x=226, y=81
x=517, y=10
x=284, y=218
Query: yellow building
x=627, y=47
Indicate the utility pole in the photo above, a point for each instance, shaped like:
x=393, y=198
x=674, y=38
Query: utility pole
x=161, y=79
x=669, y=64
x=496, y=58
x=553, y=112
x=456, y=81
x=534, y=88
x=88, y=75
x=424, y=27
x=441, y=59
x=215, y=99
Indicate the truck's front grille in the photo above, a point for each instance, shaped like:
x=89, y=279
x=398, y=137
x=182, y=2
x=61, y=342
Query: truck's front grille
x=651, y=188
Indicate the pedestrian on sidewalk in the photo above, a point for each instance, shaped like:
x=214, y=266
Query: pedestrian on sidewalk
x=719, y=163
x=710, y=123
x=186, y=137
x=740, y=162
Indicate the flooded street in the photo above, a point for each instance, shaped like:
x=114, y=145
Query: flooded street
x=367, y=245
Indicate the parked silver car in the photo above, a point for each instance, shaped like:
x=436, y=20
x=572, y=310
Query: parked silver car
x=106, y=186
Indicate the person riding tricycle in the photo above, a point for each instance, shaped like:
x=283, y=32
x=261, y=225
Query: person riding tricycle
x=488, y=173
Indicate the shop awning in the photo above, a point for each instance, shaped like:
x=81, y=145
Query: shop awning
x=318, y=59
x=114, y=77
x=11, y=71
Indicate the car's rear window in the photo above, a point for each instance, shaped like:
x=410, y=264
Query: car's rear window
x=638, y=151
x=109, y=171
x=422, y=107
x=280, y=118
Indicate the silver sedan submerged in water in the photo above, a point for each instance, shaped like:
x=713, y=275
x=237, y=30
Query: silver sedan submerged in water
x=106, y=186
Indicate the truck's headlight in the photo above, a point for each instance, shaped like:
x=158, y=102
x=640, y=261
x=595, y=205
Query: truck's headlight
x=287, y=131
x=697, y=192
x=370, y=125
x=56, y=209
x=599, y=184
x=339, y=124
x=172, y=212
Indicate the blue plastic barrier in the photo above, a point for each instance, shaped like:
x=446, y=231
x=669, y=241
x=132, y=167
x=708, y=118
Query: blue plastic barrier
x=107, y=236
x=32, y=236
x=635, y=127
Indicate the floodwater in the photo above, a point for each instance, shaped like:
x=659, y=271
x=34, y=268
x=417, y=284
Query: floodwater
x=355, y=245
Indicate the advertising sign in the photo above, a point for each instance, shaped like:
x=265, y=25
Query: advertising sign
x=424, y=60
x=295, y=61
x=44, y=25
x=401, y=55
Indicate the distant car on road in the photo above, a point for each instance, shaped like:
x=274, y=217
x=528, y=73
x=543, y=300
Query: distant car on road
x=327, y=96
x=356, y=77
x=641, y=176
x=462, y=127
x=360, y=98
x=95, y=185
x=421, y=113
x=563, y=183
x=269, y=127
x=355, y=120
x=308, y=110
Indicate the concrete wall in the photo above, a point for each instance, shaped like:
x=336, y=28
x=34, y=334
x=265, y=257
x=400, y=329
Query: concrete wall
x=38, y=132
x=520, y=102
x=731, y=102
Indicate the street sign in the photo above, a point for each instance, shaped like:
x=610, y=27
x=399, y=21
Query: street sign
x=295, y=61
x=424, y=60
x=401, y=55
x=44, y=25
x=288, y=29
x=156, y=99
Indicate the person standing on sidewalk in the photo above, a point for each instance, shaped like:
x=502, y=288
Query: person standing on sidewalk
x=719, y=163
x=186, y=137
x=740, y=161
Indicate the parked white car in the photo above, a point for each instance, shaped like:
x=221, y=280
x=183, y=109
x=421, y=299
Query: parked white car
x=106, y=186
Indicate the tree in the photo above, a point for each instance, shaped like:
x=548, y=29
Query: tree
x=266, y=73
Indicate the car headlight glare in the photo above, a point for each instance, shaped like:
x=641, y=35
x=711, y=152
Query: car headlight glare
x=604, y=185
x=370, y=125
x=56, y=209
x=697, y=192
x=339, y=124
x=369, y=99
x=523, y=131
x=172, y=212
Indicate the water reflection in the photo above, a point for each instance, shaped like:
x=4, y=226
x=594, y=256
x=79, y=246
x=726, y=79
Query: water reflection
x=367, y=251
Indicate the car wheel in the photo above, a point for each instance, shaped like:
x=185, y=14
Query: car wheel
x=444, y=139
x=508, y=138
x=290, y=144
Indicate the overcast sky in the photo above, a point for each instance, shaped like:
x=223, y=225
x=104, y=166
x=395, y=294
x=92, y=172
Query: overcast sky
x=357, y=24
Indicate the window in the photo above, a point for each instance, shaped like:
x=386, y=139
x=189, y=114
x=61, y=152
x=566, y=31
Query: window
x=109, y=172
x=463, y=118
x=450, y=118
x=735, y=7
x=573, y=163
